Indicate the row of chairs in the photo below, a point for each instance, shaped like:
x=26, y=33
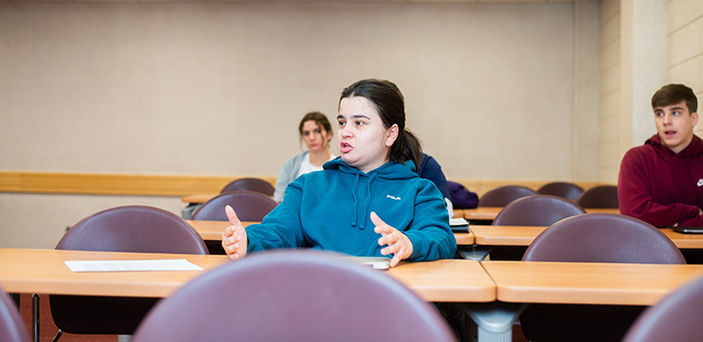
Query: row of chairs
x=304, y=296
x=602, y=196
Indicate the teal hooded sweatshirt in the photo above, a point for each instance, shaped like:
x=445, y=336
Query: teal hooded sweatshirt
x=330, y=210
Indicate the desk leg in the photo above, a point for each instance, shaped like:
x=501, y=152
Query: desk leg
x=495, y=320
x=35, y=316
x=475, y=252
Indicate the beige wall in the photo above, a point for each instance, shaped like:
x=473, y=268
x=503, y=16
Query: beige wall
x=218, y=88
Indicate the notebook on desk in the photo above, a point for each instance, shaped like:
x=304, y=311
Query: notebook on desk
x=459, y=225
x=377, y=263
x=688, y=230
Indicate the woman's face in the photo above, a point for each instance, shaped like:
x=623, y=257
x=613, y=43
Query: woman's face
x=316, y=137
x=364, y=142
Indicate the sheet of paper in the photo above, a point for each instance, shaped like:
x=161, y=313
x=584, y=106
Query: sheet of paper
x=131, y=265
x=458, y=221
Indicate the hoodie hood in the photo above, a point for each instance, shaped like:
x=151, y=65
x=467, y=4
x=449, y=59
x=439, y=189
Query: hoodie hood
x=363, y=183
x=694, y=148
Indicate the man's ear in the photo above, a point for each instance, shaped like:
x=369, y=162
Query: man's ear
x=391, y=135
x=694, y=118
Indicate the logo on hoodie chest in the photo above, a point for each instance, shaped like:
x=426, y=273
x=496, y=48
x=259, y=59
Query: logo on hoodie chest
x=700, y=182
x=397, y=198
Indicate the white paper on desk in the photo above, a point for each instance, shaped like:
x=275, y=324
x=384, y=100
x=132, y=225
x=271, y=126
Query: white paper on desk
x=131, y=265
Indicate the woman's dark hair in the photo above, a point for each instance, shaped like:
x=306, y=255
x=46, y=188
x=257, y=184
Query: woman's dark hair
x=674, y=93
x=389, y=102
x=321, y=121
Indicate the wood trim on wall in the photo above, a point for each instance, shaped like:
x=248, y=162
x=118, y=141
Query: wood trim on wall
x=172, y=185
x=113, y=184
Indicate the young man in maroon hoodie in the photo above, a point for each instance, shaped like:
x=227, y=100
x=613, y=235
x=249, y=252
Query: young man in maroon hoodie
x=661, y=182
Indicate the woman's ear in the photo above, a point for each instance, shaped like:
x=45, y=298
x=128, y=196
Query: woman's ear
x=391, y=135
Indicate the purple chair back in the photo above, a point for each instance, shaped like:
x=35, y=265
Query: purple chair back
x=501, y=196
x=133, y=229
x=536, y=210
x=12, y=328
x=602, y=196
x=562, y=189
x=604, y=238
x=250, y=184
x=293, y=296
x=675, y=318
x=593, y=238
x=249, y=205
x=120, y=229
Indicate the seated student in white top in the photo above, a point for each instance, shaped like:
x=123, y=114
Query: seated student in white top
x=316, y=132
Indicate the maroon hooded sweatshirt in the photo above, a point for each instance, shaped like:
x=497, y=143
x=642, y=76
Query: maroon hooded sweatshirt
x=661, y=187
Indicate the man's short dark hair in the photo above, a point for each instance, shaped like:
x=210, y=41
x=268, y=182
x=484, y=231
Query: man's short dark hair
x=674, y=93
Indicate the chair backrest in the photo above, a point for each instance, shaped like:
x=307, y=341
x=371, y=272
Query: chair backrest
x=602, y=196
x=293, y=296
x=250, y=184
x=536, y=210
x=501, y=196
x=593, y=238
x=122, y=229
x=249, y=205
x=675, y=318
x=604, y=238
x=12, y=328
x=562, y=189
x=133, y=228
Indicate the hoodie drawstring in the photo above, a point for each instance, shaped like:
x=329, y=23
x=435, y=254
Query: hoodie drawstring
x=355, y=200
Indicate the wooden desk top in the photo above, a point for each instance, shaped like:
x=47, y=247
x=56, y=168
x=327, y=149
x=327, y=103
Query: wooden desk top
x=44, y=271
x=212, y=230
x=489, y=213
x=524, y=235
x=586, y=283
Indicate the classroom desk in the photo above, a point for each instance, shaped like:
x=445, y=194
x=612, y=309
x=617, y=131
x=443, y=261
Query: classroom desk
x=212, y=230
x=489, y=213
x=519, y=283
x=44, y=271
x=586, y=283
x=524, y=235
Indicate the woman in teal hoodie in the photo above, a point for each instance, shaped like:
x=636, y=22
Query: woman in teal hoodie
x=369, y=202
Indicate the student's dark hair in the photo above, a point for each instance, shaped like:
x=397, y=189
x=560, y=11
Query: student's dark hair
x=674, y=93
x=389, y=102
x=321, y=121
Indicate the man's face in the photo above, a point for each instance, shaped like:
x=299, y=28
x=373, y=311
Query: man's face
x=675, y=125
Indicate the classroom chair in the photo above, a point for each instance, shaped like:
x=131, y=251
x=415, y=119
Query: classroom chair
x=120, y=229
x=602, y=196
x=293, y=295
x=675, y=318
x=12, y=328
x=249, y=205
x=502, y=195
x=593, y=238
x=535, y=210
x=250, y=184
x=566, y=190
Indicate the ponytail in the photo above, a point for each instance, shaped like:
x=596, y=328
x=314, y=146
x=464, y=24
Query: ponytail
x=406, y=147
